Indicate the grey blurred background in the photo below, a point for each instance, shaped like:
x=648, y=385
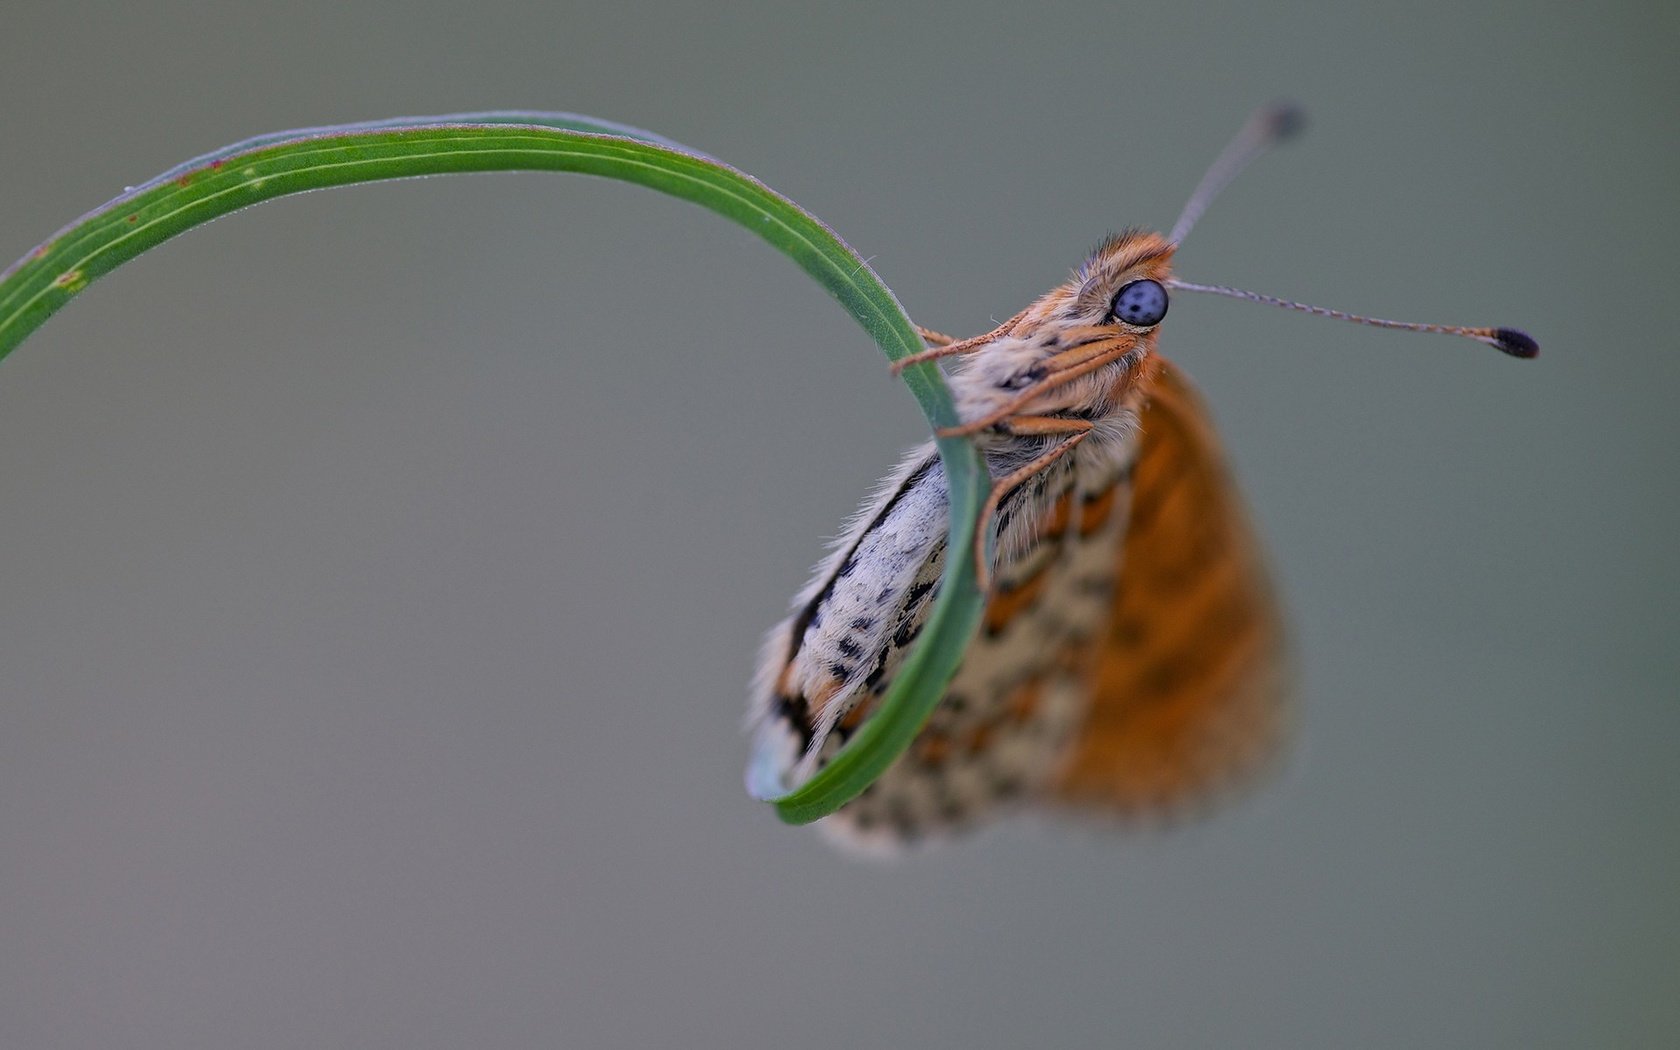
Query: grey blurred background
x=384, y=568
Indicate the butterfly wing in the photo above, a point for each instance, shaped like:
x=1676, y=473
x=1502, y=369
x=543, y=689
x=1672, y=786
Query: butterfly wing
x=1187, y=684
x=1008, y=714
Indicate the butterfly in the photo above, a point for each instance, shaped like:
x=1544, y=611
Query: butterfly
x=1131, y=656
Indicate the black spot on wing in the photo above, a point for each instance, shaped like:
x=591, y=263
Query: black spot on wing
x=797, y=714
x=899, y=815
x=913, y=597
x=907, y=632
x=1005, y=785
x=879, y=672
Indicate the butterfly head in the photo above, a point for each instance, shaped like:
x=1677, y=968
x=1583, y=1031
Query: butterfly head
x=1078, y=350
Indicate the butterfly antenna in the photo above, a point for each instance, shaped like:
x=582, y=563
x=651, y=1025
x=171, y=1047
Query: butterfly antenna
x=1509, y=340
x=1265, y=128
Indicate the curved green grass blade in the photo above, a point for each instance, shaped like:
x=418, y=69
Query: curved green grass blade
x=269, y=166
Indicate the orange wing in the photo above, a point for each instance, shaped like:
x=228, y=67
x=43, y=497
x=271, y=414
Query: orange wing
x=1188, y=685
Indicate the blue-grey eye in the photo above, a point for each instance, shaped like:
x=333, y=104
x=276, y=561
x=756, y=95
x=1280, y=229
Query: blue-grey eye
x=1142, y=303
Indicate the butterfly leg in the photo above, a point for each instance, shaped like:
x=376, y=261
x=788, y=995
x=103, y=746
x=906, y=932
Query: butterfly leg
x=950, y=347
x=932, y=338
x=1076, y=431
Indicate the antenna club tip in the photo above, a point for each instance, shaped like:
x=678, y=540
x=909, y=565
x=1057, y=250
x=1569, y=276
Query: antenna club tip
x=1515, y=343
x=1285, y=120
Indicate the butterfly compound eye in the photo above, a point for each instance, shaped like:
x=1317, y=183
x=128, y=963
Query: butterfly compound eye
x=1141, y=303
